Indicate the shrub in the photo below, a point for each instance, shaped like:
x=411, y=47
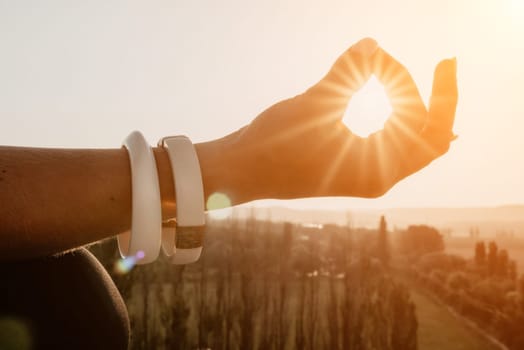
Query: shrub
x=458, y=281
x=489, y=292
x=441, y=261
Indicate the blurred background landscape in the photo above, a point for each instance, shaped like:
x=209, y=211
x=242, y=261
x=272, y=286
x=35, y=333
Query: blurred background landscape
x=310, y=274
x=275, y=278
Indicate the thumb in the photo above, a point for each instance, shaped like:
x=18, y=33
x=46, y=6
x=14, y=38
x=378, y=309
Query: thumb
x=444, y=98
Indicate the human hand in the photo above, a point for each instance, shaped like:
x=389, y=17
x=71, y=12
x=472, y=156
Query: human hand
x=300, y=147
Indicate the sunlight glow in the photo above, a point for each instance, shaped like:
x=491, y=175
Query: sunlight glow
x=368, y=109
x=219, y=206
x=518, y=6
x=331, y=172
x=517, y=13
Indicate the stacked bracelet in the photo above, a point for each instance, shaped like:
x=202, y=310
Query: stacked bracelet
x=143, y=241
x=186, y=243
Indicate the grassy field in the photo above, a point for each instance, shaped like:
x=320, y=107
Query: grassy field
x=439, y=329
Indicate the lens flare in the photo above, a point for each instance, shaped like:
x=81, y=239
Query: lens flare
x=219, y=206
x=15, y=334
x=123, y=266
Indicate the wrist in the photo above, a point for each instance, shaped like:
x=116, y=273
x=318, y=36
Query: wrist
x=224, y=167
x=225, y=170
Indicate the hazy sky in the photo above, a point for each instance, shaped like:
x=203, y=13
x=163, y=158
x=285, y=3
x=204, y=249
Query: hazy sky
x=86, y=73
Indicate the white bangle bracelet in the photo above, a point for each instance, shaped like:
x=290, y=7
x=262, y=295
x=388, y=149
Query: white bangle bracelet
x=143, y=241
x=186, y=243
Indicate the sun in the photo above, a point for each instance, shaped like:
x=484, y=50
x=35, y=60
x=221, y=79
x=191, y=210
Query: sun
x=368, y=109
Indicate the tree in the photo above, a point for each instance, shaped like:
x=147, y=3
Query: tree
x=180, y=310
x=281, y=299
x=248, y=300
x=521, y=290
x=512, y=270
x=480, y=253
x=421, y=239
x=202, y=303
x=502, y=263
x=492, y=258
x=382, y=244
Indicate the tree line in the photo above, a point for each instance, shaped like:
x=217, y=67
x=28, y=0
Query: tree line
x=266, y=285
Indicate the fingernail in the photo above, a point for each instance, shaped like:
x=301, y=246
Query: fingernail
x=366, y=47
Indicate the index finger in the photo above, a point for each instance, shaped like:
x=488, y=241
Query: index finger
x=349, y=72
x=409, y=112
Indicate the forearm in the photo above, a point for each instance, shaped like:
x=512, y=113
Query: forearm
x=58, y=199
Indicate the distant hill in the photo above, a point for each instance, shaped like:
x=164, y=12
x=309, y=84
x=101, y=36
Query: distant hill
x=489, y=220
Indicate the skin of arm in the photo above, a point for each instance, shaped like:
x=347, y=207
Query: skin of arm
x=58, y=199
x=52, y=200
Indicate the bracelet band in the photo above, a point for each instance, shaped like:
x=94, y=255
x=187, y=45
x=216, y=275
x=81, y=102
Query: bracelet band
x=185, y=244
x=143, y=240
